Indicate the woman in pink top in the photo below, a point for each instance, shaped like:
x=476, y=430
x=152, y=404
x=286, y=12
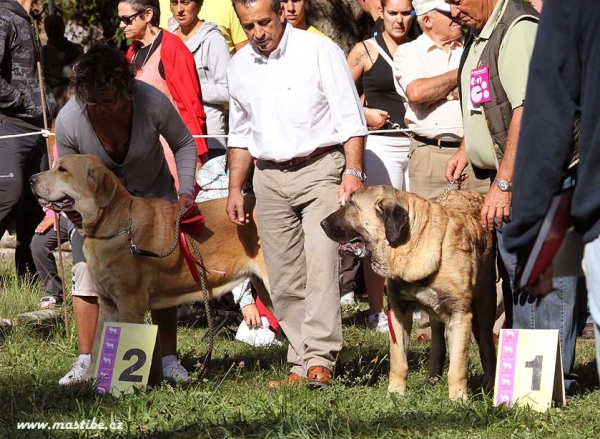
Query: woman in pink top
x=164, y=62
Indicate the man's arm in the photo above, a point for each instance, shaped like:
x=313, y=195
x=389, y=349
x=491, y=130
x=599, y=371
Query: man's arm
x=496, y=204
x=428, y=91
x=240, y=161
x=353, y=151
x=10, y=97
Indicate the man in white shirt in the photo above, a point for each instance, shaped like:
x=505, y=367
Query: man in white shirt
x=427, y=72
x=293, y=105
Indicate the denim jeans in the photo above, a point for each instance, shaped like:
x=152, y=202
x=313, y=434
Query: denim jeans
x=558, y=310
x=591, y=262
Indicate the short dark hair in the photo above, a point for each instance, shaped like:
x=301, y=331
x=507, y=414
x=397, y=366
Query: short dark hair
x=103, y=68
x=275, y=4
x=142, y=5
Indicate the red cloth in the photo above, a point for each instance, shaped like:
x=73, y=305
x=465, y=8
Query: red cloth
x=264, y=312
x=391, y=327
x=182, y=80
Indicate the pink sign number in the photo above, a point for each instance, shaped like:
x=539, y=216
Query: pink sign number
x=480, y=86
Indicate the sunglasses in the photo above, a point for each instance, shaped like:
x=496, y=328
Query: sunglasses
x=128, y=19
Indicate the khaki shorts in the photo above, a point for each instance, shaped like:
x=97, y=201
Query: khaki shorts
x=83, y=285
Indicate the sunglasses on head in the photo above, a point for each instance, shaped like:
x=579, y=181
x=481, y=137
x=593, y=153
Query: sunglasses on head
x=128, y=19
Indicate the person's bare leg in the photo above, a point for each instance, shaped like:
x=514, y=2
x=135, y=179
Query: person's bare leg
x=85, y=310
x=166, y=319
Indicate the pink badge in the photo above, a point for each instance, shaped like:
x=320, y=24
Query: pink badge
x=480, y=86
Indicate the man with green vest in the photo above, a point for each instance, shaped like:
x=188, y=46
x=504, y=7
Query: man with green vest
x=492, y=82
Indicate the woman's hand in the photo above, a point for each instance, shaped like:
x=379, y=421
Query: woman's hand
x=375, y=118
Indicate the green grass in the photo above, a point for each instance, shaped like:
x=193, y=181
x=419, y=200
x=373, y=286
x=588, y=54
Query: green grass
x=232, y=400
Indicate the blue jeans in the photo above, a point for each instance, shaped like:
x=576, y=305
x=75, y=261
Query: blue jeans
x=558, y=310
x=591, y=262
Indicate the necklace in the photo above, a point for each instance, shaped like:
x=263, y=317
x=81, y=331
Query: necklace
x=149, y=51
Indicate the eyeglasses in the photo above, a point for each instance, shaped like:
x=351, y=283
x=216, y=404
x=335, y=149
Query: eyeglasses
x=128, y=19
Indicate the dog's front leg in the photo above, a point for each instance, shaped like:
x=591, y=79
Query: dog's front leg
x=459, y=337
x=401, y=321
x=107, y=313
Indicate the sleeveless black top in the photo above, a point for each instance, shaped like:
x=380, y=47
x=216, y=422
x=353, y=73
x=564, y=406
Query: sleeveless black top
x=379, y=89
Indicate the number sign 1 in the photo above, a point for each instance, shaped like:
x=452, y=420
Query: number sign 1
x=529, y=369
x=125, y=357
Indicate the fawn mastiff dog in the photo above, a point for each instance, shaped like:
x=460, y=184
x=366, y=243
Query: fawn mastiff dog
x=433, y=255
x=128, y=284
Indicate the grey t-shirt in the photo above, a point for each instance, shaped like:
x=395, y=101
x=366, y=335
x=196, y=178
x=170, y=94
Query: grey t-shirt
x=144, y=172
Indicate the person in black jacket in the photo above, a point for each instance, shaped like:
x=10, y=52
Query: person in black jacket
x=20, y=113
x=563, y=84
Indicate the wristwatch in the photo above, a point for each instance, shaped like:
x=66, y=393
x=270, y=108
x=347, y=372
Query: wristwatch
x=357, y=173
x=503, y=185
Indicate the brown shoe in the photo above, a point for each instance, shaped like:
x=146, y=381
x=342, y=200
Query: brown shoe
x=291, y=378
x=318, y=377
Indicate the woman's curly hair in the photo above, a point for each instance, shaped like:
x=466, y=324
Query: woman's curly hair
x=103, y=68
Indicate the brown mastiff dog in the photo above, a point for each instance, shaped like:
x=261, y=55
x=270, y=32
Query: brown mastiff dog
x=129, y=284
x=436, y=256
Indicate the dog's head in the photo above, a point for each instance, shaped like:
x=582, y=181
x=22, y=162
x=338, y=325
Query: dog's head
x=373, y=218
x=78, y=183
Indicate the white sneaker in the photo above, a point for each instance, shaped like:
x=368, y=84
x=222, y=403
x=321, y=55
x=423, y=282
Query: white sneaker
x=75, y=375
x=175, y=373
x=347, y=299
x=257, y=337
x=379, y=322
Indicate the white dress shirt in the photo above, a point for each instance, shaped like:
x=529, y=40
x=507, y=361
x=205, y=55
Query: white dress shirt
x=302, y=97
x=423, y=58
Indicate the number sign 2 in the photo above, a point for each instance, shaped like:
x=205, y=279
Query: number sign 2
x=125, y=357
x=529, y=369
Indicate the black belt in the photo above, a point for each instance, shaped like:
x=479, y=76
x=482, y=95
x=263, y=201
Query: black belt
x=300, y=160
x=436, y=142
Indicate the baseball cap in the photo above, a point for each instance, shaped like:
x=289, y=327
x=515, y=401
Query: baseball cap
x=424, y=6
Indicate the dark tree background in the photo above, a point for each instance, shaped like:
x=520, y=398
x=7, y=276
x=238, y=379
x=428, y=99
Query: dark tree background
x=342, y=20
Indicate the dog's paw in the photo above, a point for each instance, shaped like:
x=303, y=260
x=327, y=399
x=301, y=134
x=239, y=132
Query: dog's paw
x=460, y=395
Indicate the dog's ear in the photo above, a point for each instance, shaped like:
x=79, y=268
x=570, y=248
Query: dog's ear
x=105, y=186
x=394, y=218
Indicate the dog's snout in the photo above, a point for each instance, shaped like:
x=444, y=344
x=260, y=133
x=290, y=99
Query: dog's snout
x=33, y=179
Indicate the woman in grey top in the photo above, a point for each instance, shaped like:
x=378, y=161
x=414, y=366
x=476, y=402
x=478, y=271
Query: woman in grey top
x=119, y=119
x=211, y=54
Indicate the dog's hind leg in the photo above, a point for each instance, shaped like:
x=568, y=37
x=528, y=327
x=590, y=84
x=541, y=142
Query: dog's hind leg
x=401, y=321
x=107, y=313
x=437, y=350
x=459, y=338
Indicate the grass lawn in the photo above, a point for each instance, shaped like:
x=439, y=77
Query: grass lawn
x=232, y=400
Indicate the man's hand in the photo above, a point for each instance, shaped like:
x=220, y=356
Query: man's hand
x=456, y=165
x=544, y=285
x=350, y=183
x=43, y=227
x=185, y=201
x=496, y=205
x=235, y=208
x=252, y=316
x=375, y=118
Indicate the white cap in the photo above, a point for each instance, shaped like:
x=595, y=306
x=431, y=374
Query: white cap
x=424, y=6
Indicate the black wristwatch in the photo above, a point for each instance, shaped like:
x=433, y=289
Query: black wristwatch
x=503, y=185
x=357, y=173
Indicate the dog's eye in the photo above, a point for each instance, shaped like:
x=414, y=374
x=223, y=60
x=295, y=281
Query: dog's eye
x=61, y=169
x=350, y=203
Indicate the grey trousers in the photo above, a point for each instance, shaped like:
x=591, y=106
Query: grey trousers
x=42, y=250
x=302, y=262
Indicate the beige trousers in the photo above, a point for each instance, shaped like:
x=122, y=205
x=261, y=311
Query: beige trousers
x=427, y=169
x=302, y=262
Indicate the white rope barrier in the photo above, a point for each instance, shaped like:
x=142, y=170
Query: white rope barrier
x=44, y=133
x=47, y=133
